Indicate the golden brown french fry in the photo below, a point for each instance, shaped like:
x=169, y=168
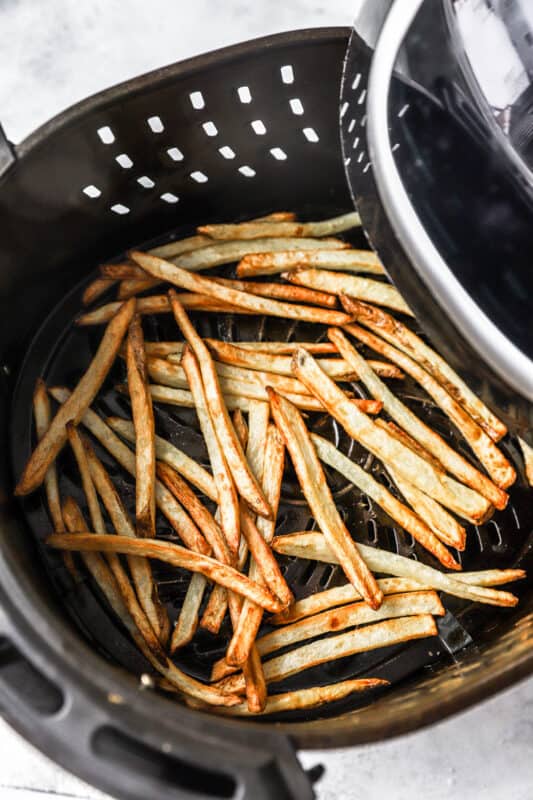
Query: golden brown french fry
x=446, y=490
x=171, y=455
x=80, y=399
x=96, y=289
x=281, y=364
x=302, y=698
x=281, y=291
x=274, y=263
x=370, y=637
x=158, y=304
x=131, y=288
x=339, y=595
x=453, y=461
x=341, y=283
x=215, y=610
x=245, y=481
x=228, y=502
x=400, y=513
x=253, y=230
x=314, y=486
x=122, y=272
x=163, y=349
x=494, y=461
x=412, y=444
x=404, y=339
x=172, y=554
x=226, y=252
x=184, y=279
x=313, y=545
x=140, y=569
x=75, y=521
x=175, y=514
x=527, y=452
x=143, y=421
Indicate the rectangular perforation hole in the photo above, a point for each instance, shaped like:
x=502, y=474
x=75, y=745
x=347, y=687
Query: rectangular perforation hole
x=311, y=135
x=344, y=108
x=156, y=124
x=92, y=191
x=168, y=197
x=124, y=160
x=226, y=152
x=361, y=98
x=296, y=106
x=172, y=773
x=106, y=134
x=258, y=126
x=175, y=154
x=247, y=171
x=245, y=96
x=120, y=209
x=199, y=177
x=356, y=81
x=197, y=100
x=210, y=128
x=278, y=153
x=145, y=182
x=351, y=126
x=287, y=74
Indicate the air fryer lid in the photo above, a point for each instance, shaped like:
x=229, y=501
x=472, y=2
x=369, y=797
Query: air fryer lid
x=438, y=148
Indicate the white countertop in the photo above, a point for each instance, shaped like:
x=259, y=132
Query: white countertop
x=57, y=52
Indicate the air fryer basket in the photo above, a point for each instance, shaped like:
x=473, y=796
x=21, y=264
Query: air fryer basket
x=128, y=167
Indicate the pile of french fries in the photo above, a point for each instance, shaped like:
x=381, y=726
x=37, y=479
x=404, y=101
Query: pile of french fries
x=232, y=553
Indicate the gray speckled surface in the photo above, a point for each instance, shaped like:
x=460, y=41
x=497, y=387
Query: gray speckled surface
x=55, y=53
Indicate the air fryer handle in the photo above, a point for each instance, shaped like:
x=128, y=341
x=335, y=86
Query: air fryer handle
x=97, y=739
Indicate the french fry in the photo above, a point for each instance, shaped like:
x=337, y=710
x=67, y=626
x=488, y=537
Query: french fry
x=143, y=421
x=131, y=288
x=453, y=462
x=284, y=261
x=313, y=482
x=184, y=279
x=340, y=595
x=527, y=452
x=402, y=436
x=313, y=545
x=281, y=364
x=303, y=698
x=446, y=490
x=172, y=554
x=75, y=521
x=411, y=522
x=140, y=569
x=341, y=283
x=404, y=339
x=225, y=252
x=370, y=637
x=96, y=289
x=253, y=230
x=280, y=291
x=184, y=399
x=187, y=622
x=159, y=304
x=80, y=399
x=171, y=455
x=175, y=514
x=247, y=484
x=494, y=461
x=120, y=272
x=164, y=349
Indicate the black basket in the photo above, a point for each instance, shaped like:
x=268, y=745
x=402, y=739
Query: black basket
x=230, y=135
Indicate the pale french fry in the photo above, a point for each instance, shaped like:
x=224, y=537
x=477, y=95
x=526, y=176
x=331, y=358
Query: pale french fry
x=453, y=462
x=171, y=455
x=411, y=522
x=131, y=288
x=281, y=364
x=245, y=481
x=80, y=399
x=340, y=595
x=494, y=461
x=140, y=569
x=280, y=291
x=412, y=444
x=163, y=349
x=340, y=283
x=228, y=502
x=143, y=421
x=527, y=452
x=313, y=545
x=96, y=289
x=159, y=304
x=183, y=278
x=258, y=417
x=446, y=490
x=175, y=514
x=274, y=263
x=122, y=272
x=370, y=637
x=225, y=252
x=302, y=698
x=187, y=622
x=75, y=521
x=172, y=554
x=403, y=338
x=184, y=398
x=313, y=482
x=252, y=230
